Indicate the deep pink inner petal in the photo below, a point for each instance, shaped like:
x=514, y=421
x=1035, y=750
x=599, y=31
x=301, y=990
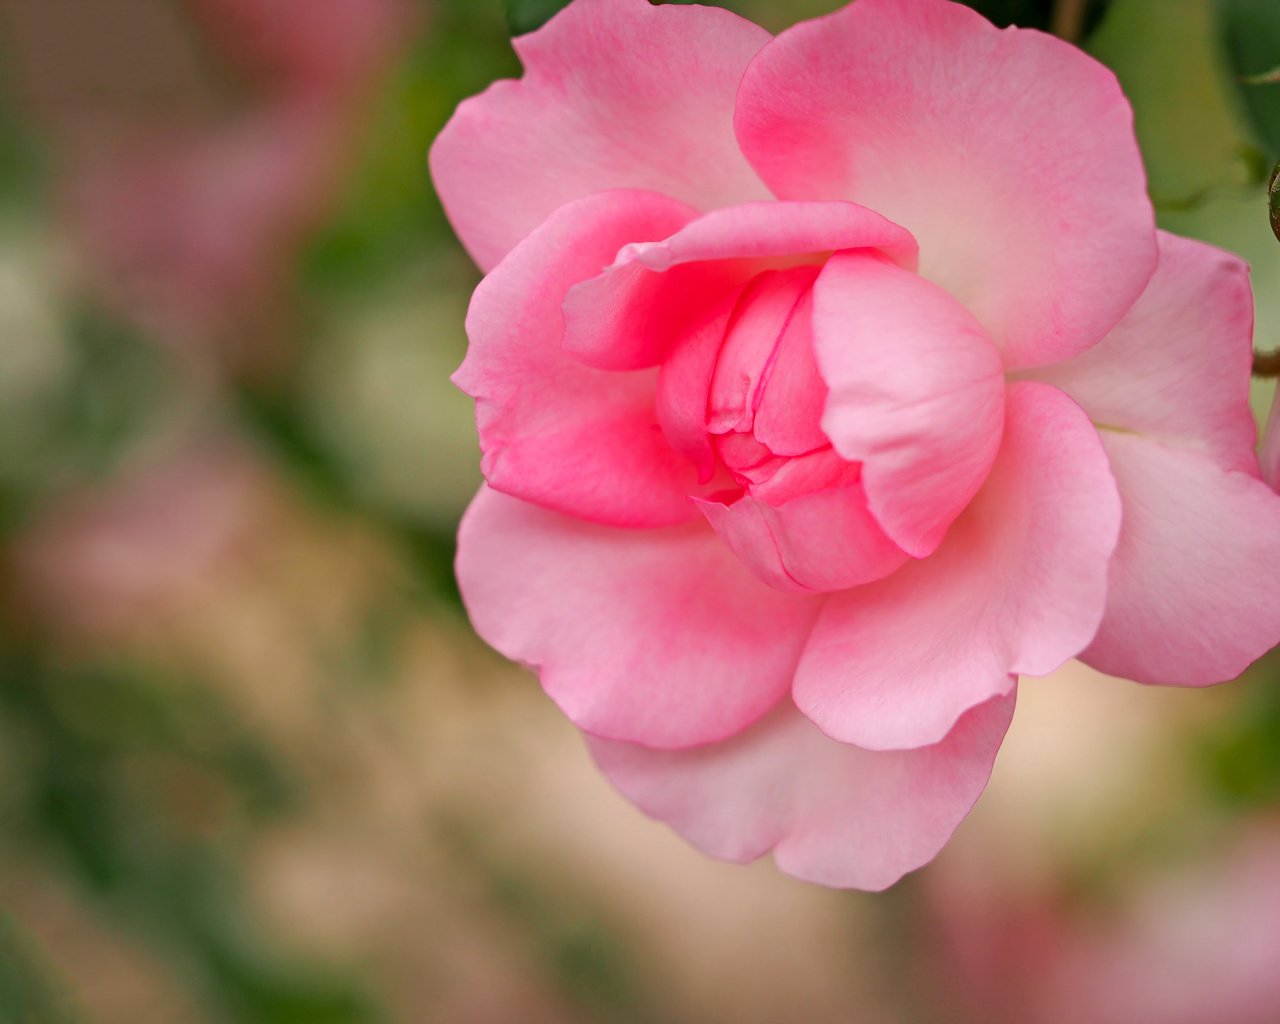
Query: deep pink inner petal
x=630, y=315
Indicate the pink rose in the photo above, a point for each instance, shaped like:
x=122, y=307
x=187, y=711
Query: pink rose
x=827, y=384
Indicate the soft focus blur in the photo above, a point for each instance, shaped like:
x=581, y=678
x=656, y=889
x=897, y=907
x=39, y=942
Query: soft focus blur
x=254, y=766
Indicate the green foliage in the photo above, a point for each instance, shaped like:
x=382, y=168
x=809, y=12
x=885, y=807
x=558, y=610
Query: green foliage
x=1240, y=760
x=30, y=990
x=112, y=768
x=1193, y=135
x=389, y=210
x=526, y=15
x=1252, y=32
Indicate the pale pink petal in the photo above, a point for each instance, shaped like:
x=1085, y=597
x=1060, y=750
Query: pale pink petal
x=554, y=431
x=1176, y=368
x=660, y=637
x=831, y=813
x=1193, y=588
x=824, y=540
x=1018, y=587
x=917, y=393
x=1010, y=155
x=629, y=316
x=616, y=94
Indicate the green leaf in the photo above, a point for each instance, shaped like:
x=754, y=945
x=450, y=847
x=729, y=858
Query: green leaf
x=1251, y=29
x=526, y=15
x=1194, y=136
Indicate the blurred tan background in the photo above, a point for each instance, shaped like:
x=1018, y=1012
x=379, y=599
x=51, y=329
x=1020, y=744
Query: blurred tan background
x=254, y=766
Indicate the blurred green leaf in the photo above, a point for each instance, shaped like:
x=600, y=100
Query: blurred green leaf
x=108, y=768
x=526, y=15
x=1193, y=135
x=389, y=213
x=1241, y=759
x=1252, y=32
x=30, y=991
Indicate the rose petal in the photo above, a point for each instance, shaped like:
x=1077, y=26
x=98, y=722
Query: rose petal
x=1192, y=598
x=917, y=393
x=616, y=94
x=746, y=358
x=831, y=813
x=659, y=637
x=629, y=316
x=789, y=417
x=825, y=540
x=556, y=432
x=1010, y=155
x=1018, y=587
x=1176, y=368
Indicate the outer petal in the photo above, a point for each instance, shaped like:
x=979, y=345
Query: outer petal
x=554, y=431
x=616, y=94
x=917, y=393
x=1010, y=155
x=1176, y=368
x=628, y=316
x=1193, y=583
x=658, y=637
x=1018, y=587
x=831, y=813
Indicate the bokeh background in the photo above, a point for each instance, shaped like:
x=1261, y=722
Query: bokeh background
x=254, y=766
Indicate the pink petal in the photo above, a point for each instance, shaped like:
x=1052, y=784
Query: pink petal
x=824, y=540
x=789, y=417
x=616, y=94
x=556, y=432
x=685, y=380
x=1193, y=583
x=658, y=637
x=917, y=393
x=1009, y=155
x=765, y=313
x=1177, y=367
x=831, y=813
x=1018, y=587
x=629, y=316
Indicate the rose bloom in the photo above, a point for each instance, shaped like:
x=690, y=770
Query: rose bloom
x=826, y=385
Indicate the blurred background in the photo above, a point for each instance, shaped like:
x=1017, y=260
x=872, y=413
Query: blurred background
x=254, y=766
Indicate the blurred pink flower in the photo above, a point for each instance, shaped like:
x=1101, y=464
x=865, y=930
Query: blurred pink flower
x=109, y=561
x=190, y=222
x=826, y=384
x=1194, y=944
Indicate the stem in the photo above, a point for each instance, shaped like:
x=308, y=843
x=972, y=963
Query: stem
x=1068, y=19
x=1266, y=364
